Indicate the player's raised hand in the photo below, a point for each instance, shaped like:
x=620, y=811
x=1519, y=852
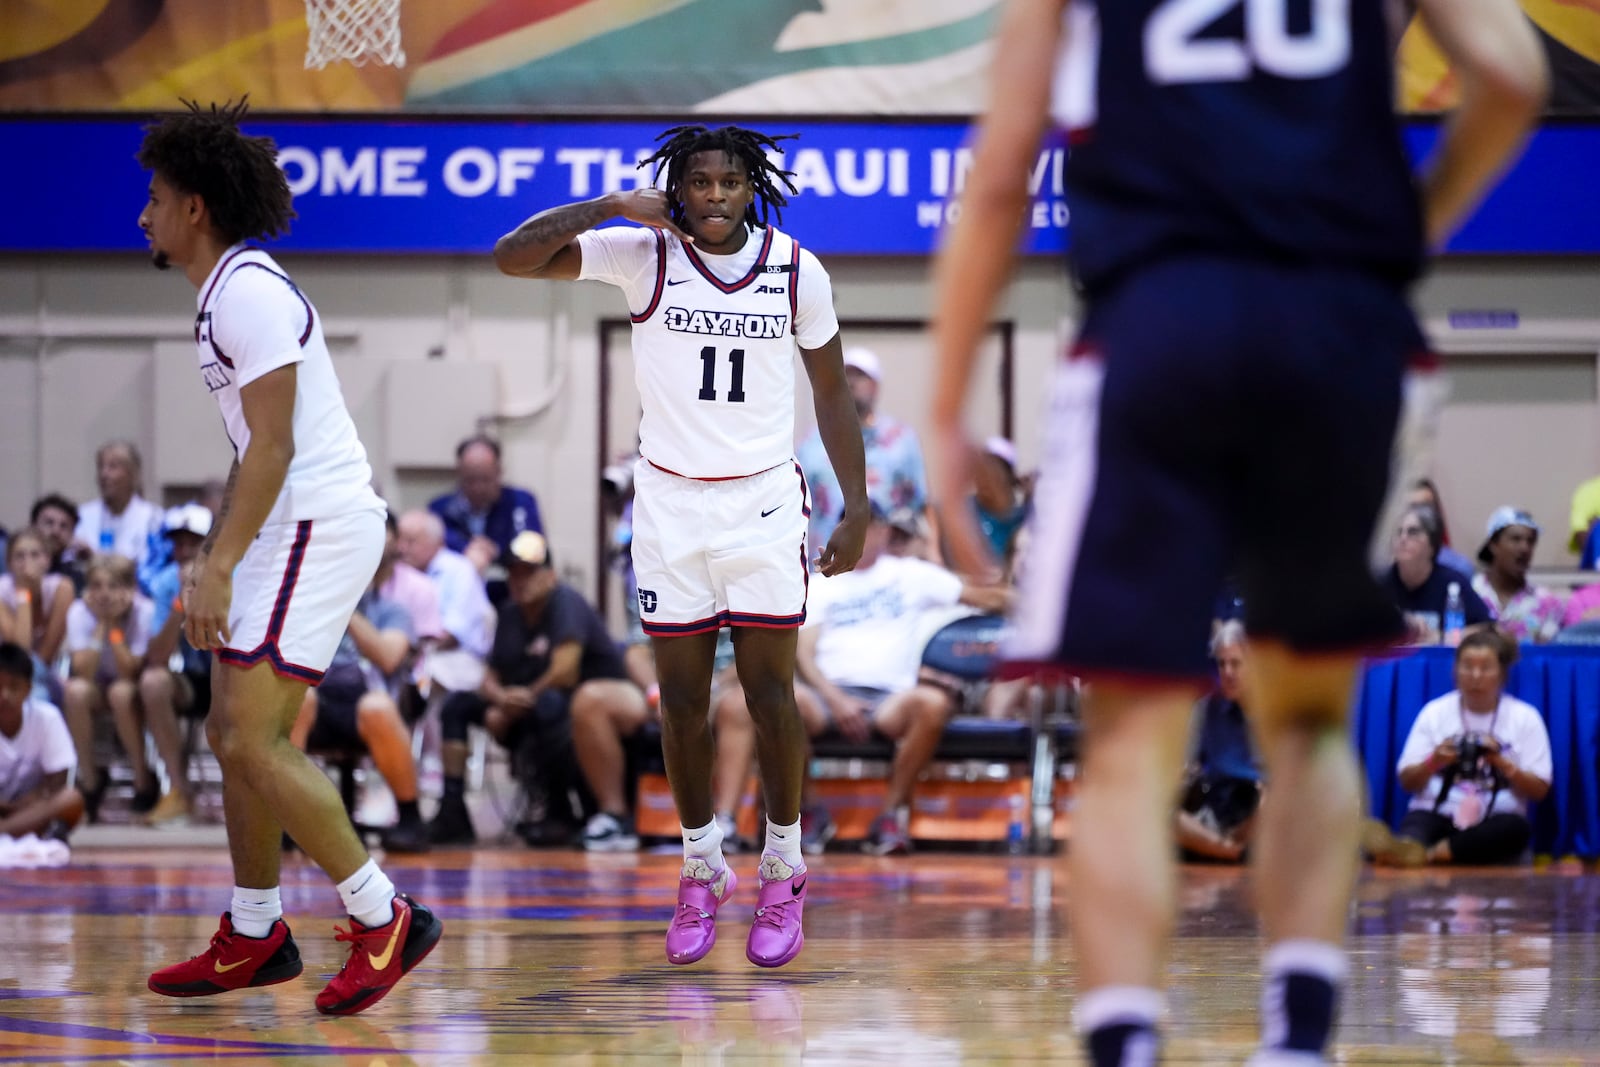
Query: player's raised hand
x=950, y=482
x=651, y=207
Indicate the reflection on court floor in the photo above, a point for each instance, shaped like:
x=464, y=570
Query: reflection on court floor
x=557, y=958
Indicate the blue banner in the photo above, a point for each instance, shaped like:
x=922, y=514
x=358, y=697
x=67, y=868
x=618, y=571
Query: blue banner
x=404, y=186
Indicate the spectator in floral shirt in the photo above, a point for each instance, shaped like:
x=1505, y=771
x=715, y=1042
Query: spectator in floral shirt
x=895, y=475
x=1525, y=611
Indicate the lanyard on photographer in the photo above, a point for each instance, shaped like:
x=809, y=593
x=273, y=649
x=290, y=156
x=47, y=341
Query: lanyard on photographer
x=1494, y=716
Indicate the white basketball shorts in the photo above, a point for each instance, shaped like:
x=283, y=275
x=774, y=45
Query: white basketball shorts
x=295, y=589
x=709, y=554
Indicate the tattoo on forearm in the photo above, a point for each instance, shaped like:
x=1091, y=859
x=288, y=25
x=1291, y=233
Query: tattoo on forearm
x=558, y=225
x=223, y=508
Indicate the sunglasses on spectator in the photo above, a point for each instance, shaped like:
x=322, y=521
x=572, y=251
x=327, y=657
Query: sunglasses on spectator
x=1411, y=531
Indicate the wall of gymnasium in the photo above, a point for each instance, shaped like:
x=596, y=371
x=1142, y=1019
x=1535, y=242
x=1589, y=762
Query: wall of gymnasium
x=429, y=350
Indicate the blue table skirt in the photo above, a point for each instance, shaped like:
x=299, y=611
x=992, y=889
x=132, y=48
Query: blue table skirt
x=1562, y=681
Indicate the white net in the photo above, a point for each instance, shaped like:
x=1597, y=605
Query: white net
x=354, y=31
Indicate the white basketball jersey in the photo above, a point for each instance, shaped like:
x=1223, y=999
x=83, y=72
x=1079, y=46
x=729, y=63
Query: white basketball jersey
x=254, y=320
x=714, y=361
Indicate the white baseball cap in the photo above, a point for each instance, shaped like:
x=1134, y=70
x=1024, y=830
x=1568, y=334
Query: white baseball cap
x=864, y=360
x=1003, y=448
x=188, y=518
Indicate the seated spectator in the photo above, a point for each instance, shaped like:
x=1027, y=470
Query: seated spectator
x=1420, y=584
x=548, y=641
x=998, y=499
x=454, y=659
x=354, y=706
x=36, y=758
x=1424, y=492
x=1582, y=540
x=1474, y=760
x=483, y=514
x=858, y=651
x=1583, y=606
x=176, y=679
x=465, y=615
x=56, y=518
x=909, y=534
x=1223, y=782
x=1522, y=610
x=40, y=601
x=108, y=633
x=121, y=521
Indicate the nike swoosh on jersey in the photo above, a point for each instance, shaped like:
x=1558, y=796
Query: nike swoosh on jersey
x=764, y=514
x=379, y=962
x=678, y=281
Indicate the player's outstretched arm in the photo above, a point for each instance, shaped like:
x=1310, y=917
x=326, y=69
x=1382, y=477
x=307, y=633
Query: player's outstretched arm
x=974, y=263
x=546, y=245
x=1504, y=81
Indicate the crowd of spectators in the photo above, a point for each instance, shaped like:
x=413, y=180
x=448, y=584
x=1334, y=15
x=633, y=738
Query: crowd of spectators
x=468, y=625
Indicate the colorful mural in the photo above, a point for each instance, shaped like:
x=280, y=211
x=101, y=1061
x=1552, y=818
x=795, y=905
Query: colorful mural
x=566, y=57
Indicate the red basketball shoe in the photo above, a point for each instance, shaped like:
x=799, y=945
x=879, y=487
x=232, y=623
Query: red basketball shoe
x=232, y=962
x=379, y=957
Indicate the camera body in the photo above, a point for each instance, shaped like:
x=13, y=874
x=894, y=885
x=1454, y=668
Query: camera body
x=1471, y=754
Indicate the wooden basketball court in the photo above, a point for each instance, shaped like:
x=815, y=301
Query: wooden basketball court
x=556, y=957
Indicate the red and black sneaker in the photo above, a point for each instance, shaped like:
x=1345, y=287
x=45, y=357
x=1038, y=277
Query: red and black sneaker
x=379, y=957
x=232, y=962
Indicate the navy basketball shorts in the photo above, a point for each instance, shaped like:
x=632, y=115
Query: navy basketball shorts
x=1216, y=417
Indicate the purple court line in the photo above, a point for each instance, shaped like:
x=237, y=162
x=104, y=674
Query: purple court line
x=215, y=1046
x=38, y=994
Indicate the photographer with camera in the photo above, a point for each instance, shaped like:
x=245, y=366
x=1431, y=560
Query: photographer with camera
x=1474, y=761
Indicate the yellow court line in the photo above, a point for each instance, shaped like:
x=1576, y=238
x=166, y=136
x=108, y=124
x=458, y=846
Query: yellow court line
x=159, y=92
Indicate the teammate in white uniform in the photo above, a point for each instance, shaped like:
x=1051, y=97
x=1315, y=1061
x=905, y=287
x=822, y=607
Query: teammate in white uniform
x=297, y=540
x=720, y=301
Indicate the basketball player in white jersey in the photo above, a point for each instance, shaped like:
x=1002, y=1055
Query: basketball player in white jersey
x=297, y=540
x=720, y=303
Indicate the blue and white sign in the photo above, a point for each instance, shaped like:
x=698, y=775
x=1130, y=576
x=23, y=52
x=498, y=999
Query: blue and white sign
x=408, y=186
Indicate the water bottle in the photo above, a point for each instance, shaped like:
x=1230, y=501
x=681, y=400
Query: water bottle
x=1455, y=614
x=1016, y=830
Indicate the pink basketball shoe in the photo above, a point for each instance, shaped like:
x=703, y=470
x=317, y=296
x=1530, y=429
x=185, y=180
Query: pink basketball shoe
x=693, y=929
x=776, y=936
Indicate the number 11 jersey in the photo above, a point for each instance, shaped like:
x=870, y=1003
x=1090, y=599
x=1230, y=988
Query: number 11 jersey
x=714, y=343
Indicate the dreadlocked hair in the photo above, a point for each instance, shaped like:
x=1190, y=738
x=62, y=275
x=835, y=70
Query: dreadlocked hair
x=203, y=151
x=747, y=146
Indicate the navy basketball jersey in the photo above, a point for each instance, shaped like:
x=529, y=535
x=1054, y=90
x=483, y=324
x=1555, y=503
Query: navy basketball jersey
x=1264, y=128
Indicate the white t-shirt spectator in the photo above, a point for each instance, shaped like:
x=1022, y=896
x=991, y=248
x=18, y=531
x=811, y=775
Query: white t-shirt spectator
x=1516, y=724
x=41, y=748
x=81, y=625
x=869, y=636
x=126, y=535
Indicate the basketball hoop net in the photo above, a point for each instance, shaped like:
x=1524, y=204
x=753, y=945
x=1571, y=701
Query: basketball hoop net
x=354, y=31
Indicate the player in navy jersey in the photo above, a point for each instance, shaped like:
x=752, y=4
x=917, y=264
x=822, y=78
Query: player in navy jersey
x=720, y=303
x=1244, y=226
